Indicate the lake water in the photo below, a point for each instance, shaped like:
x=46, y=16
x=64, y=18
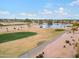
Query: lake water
x=55, y=25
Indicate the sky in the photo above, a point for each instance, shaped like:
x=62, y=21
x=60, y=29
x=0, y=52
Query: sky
x=39, y=9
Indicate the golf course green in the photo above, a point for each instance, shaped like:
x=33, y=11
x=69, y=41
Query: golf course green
x=14, y=36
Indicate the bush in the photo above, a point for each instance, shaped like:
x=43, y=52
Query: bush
x=77, y=56
x=75, y=24
x=1, y=24
x=39, y=43
x=40, y=56
x=67, y=41
x=59, y=29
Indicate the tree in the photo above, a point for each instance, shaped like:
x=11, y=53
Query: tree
x=49, y=23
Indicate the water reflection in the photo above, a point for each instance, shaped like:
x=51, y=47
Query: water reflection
x=55, y=25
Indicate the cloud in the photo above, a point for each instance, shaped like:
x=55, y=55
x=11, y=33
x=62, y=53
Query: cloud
x=75, y=3
x=76, y=16
x=4, y=13
x=27, y=14
x=46, y=12
x=58, y=13
x=61, y=12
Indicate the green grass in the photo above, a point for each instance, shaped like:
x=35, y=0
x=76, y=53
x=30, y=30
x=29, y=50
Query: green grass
x=14, y=36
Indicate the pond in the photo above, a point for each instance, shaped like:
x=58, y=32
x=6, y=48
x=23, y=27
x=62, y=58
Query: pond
x=55, y=25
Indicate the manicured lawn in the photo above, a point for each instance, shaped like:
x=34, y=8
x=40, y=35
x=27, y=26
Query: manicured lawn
x=14, y=36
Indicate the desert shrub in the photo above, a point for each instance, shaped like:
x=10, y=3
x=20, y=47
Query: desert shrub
x=73, y=40
x=14, y=28
x=64, y=46
x=41, y=27
x=78, y=39
x=77, y=50
x=39, y=43
x=75, y=24
x=76, y=44
x=59, y=29
x=1, y=24
x=67, y=41
x=70, y=44
x=71, y=37
x=42, y=52
x=40, y=56
x=77, y=56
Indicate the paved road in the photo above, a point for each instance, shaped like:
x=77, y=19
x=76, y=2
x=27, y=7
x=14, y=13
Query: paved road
x=34, y=51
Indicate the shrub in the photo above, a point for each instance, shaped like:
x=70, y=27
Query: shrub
x=78, y=39
x=40, y=56
x=1, y=24
x=70, y=44
x=39, y=43
x=59, y=29
x=71, y=37
x=67, y=41
x=42, y=52
x=77, y=56
x=14, y=28
x=64, y=46
x=73, y=40
x=75, y=24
